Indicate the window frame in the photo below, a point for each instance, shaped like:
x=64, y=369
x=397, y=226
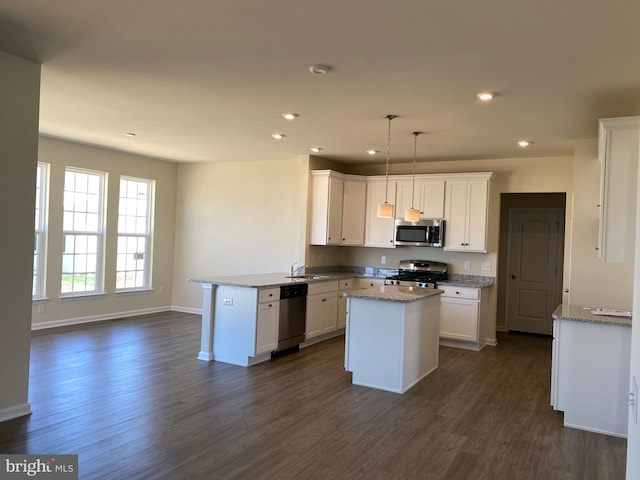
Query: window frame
x=100, y=234
x=41, y=227
x=148, y=236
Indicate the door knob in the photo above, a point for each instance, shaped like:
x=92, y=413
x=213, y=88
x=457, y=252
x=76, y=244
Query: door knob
x=513, y=276
x=566, y=290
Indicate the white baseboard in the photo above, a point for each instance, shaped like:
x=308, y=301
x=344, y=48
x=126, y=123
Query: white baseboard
x=15, y=412
x=97, y=318
x=195, y=311
x=322, y=338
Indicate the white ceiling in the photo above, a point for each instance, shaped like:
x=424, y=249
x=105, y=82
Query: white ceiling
x=208, y=80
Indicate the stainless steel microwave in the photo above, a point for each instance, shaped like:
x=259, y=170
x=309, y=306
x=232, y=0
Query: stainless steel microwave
x=423, y=233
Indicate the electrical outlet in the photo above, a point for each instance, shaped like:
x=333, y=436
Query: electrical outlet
x=486, y=266
x=227, y=301
x=467, y=265
x=633, y=400
x=161, y=290
x=41, y=308
x=383, y=259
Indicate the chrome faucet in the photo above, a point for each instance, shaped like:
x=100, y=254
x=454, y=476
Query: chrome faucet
x=295, y=270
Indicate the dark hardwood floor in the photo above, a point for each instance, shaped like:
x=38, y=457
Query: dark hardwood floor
x=130, y=398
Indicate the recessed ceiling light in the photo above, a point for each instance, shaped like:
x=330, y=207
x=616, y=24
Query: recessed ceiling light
x=315, y=149
x=319, y=69
x=129, y=134
x=290, y=116
x=277, y=136
x=524, y=143
x=372, y=151
x=485, y=96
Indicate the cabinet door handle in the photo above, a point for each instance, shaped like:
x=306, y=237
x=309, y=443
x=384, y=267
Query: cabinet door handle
x=324, y=299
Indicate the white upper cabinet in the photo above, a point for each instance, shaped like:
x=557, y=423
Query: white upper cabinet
x=428, y=197
x=327, y=190
x=337, y=208
x=379, y=232
x=619, y=142
x=353, y=210
x=344, y=207
x=466, y=213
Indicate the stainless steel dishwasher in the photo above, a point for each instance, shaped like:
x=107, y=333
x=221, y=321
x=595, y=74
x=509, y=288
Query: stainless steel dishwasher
x=293, y=314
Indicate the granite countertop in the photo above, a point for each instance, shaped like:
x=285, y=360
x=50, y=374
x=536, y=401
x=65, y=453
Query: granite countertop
x=264, y=280
x=583, y=314
x=391, y=293
x=472, y=281
x=314, y=275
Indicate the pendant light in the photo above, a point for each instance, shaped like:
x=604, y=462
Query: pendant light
x=385, y=210
x=412, y=214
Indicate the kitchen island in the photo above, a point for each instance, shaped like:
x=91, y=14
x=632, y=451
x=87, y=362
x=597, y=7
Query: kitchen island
x=392, y=336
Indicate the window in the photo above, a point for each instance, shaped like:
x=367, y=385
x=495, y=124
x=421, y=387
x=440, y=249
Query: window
x=40, y=241
x=83, y=228
x=135, y=234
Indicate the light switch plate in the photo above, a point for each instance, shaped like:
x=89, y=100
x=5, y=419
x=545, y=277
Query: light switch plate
x=486, y=266
x=467, y=265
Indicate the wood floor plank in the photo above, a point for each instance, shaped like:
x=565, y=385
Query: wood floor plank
x=131, y=391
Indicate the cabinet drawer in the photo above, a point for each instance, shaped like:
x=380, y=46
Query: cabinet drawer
x=323, y=287
x=370, y=282
x=268, y=295
x=468, y=293
x=346, y=284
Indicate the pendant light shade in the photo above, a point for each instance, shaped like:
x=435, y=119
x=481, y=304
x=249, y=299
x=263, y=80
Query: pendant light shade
x=385, y=210
x=412, y=214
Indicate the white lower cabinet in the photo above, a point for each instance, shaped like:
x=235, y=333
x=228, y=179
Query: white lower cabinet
x=463, y=317
x=590, y=375
x=245, y=324
x=322, y=308
x=344, y=286
x=267, y=321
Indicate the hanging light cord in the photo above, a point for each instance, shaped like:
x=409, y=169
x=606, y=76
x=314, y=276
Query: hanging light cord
x=413, y=186
x=386, y=187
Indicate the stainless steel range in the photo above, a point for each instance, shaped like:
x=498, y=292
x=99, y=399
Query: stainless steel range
x=418, y=273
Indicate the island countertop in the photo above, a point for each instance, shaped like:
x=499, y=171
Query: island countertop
x=583, y=314
x=391, y=293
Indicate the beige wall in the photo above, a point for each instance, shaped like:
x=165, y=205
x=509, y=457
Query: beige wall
x=60, y=154
x=236, y=218
x=591, y=281
x=19, y=97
